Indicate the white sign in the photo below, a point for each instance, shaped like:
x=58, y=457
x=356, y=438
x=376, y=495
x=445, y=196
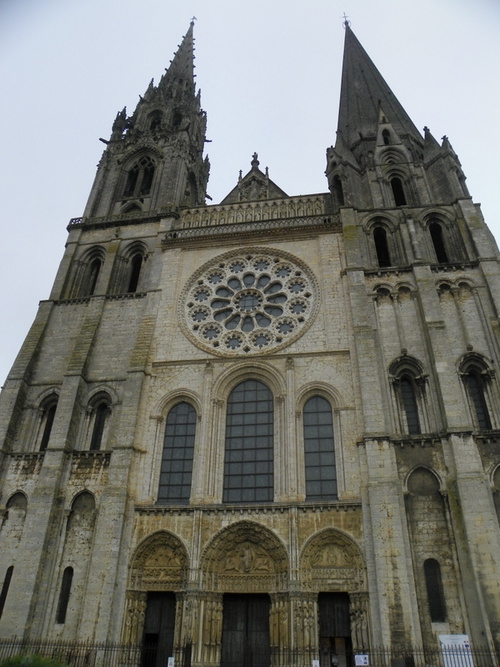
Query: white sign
x=315, y=663
x=455, y=650
x=171, y=662
x=361, y=660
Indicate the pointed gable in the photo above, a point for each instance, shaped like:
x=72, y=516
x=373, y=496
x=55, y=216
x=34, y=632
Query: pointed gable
x=364, y=93
x=255, y=185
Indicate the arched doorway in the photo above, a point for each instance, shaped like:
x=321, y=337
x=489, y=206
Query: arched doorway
x=245, y=568
x=332, y=569
x=157, y=577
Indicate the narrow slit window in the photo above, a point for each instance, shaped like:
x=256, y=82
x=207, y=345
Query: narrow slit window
x=50, y=413
x=434, y=587
x=101, y=414
x=381, y=247
x=475, y=386
x=5, y=588
x=94, y=269
x=135, y=272
x=338, y=191
x=398, y=192
x=64, y=594
x=436, y=232
x=410, y=406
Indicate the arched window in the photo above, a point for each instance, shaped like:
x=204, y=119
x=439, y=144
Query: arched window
x=338, y=191
x=135, y=272
x=177, y=459
x=381, y=246
x=434, y=587
x=248, y=465
x=398, y=191
x=409, y=391
x=100, y=411
x=475, y=385
x=436, y=232
x=140, y=178
x=48, y=414
x=64, y=594
x=5, y=588
x=409, y=404
x=18, y=502
x=386, y=137
x=85, y=273
x=319, y=453
x=95, y=267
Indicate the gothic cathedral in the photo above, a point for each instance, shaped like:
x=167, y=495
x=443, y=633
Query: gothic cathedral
x=268, y=427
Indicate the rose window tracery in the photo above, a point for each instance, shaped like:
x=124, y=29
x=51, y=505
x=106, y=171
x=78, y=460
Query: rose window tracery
x=249, y=302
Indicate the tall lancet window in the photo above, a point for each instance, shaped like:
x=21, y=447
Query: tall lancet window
x=398, y=191
x=476, y=391
x=436, y=232
x=409, y=404
x=319, y=453
x=248, y=465
x=177, y=459
x=382, y=246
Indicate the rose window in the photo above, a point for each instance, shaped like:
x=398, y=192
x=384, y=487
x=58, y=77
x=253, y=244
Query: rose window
x=251, y=302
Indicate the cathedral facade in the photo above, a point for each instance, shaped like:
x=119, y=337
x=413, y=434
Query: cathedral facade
x=264, y=426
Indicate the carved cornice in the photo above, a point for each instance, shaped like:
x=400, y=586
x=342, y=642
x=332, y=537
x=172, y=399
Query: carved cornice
x=319, y=224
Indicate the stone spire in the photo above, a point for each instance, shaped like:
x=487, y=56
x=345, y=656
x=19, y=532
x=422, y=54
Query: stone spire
x=364, y=93
x=181, y=68
x=154, y=158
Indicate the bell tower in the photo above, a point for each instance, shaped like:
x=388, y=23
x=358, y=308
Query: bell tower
x=154, y=158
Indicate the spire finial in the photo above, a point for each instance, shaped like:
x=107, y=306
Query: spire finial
x=193, y=19
x=346, y=23
x=255, y=161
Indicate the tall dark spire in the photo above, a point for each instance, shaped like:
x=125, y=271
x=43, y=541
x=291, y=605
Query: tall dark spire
x=365, y=95
x=182, y=66
x=154, y=158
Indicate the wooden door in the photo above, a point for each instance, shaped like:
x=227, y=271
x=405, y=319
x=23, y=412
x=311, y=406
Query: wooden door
x=334, y=630
x=159, y=628
x=245, y=631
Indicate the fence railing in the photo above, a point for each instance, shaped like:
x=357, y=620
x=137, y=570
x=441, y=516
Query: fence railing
x=110, y=654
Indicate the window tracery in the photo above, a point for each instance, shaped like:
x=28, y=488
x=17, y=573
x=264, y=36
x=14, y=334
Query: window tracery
x=140, y=177
x=249, y=302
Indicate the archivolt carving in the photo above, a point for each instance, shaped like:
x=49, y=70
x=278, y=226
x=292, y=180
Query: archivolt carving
x=160, y=563
x=245, y=557
x=332, y=561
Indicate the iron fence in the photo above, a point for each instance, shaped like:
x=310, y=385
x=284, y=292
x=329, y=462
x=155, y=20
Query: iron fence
x=111, y=654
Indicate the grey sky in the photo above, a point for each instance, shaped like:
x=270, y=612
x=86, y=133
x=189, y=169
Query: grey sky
x=269, y=72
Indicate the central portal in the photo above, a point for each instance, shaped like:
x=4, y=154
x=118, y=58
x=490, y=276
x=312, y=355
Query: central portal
x=335, y=646
x=245, y=631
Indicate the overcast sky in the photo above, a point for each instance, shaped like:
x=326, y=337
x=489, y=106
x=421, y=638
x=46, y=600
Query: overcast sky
x=269, y=72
